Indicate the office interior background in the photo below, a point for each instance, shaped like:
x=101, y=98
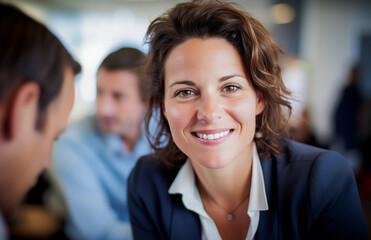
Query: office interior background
x=323, y=41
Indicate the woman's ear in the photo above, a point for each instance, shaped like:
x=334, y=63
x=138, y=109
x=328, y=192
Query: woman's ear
x=163, y=109
x=21, y=110
x=260, y=104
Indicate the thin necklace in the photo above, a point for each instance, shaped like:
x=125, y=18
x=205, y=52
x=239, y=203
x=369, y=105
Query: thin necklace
x=230, y=214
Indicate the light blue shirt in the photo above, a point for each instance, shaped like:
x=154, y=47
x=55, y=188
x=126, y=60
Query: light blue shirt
x=3, y=228
x=92, y=169
x=185, y=184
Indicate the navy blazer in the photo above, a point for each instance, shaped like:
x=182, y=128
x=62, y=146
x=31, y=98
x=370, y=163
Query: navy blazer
x=311, y=193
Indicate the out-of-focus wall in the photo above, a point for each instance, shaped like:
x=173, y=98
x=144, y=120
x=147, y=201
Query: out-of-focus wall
x=91, y=29
x=331, y=33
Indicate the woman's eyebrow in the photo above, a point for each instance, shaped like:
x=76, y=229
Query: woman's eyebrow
x=190, y=83
x=225, y=78
x=185, y=82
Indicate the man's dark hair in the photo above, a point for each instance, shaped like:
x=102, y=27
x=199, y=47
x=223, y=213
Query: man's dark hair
x=29, y=52
x=133, y=60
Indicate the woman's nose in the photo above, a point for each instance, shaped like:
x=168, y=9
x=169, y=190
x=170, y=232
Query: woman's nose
x=209, y=109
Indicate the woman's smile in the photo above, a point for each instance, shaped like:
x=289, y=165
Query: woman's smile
x=209, y=102
x=212, y=137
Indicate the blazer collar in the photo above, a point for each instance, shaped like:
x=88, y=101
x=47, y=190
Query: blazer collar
x=185, y=224
x=268, y=223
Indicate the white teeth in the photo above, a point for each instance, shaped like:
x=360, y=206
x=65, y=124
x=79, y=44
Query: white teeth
x=213, y=136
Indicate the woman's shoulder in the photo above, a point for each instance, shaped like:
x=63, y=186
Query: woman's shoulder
x=150, y=170
x=298, y=152
x=304, y=163
x=153, y=164
x=321, y=168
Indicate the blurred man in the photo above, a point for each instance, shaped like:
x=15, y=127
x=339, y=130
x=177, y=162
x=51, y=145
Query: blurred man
x=36, y=97
x=93, y=159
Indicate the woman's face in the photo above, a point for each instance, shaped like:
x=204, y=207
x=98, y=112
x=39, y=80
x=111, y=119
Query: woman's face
x=209, y=102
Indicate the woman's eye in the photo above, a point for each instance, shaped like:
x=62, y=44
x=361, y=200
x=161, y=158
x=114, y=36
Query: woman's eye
x=230, y=88
x=184, y=93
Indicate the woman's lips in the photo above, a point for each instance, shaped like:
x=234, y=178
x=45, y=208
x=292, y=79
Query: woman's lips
x=212, y=136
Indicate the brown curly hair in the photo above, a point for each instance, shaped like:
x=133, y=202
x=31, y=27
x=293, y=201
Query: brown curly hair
x=260, y=54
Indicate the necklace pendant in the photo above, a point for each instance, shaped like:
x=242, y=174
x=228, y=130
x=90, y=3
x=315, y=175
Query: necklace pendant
x=230, y=216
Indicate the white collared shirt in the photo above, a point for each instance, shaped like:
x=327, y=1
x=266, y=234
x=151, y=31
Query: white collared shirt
x=185, y=184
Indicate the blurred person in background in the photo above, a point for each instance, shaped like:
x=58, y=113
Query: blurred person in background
x=348, y=116
x=36, y=97
x=302, y=131
x=93, y=158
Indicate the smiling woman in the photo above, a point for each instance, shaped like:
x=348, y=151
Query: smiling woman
x=222, y=168
x=211, y=115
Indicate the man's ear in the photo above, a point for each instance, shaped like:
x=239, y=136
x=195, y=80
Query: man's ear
x=21, y=110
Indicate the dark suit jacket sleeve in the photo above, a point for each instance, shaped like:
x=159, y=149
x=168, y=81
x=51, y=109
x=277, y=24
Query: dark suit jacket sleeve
x=335, y=206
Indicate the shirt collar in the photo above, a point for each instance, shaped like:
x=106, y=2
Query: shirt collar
x=185, y=184
x=258, y=197
x=115, y=144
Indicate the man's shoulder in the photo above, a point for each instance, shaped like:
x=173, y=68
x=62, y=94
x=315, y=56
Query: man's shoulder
x=80, y=137
x=83, y=128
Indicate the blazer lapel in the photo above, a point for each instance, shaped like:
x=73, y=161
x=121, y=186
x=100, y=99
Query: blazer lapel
x=268, y=223
x=185, y=224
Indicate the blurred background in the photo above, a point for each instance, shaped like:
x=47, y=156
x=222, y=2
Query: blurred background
x=327, y=64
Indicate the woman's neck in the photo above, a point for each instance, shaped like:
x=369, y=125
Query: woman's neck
x=229, y=185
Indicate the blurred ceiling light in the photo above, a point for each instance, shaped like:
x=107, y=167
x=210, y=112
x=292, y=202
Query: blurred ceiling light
x=282, y=13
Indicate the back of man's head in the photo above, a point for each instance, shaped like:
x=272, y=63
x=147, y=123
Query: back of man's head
x=31, y=53
x=36, y=97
